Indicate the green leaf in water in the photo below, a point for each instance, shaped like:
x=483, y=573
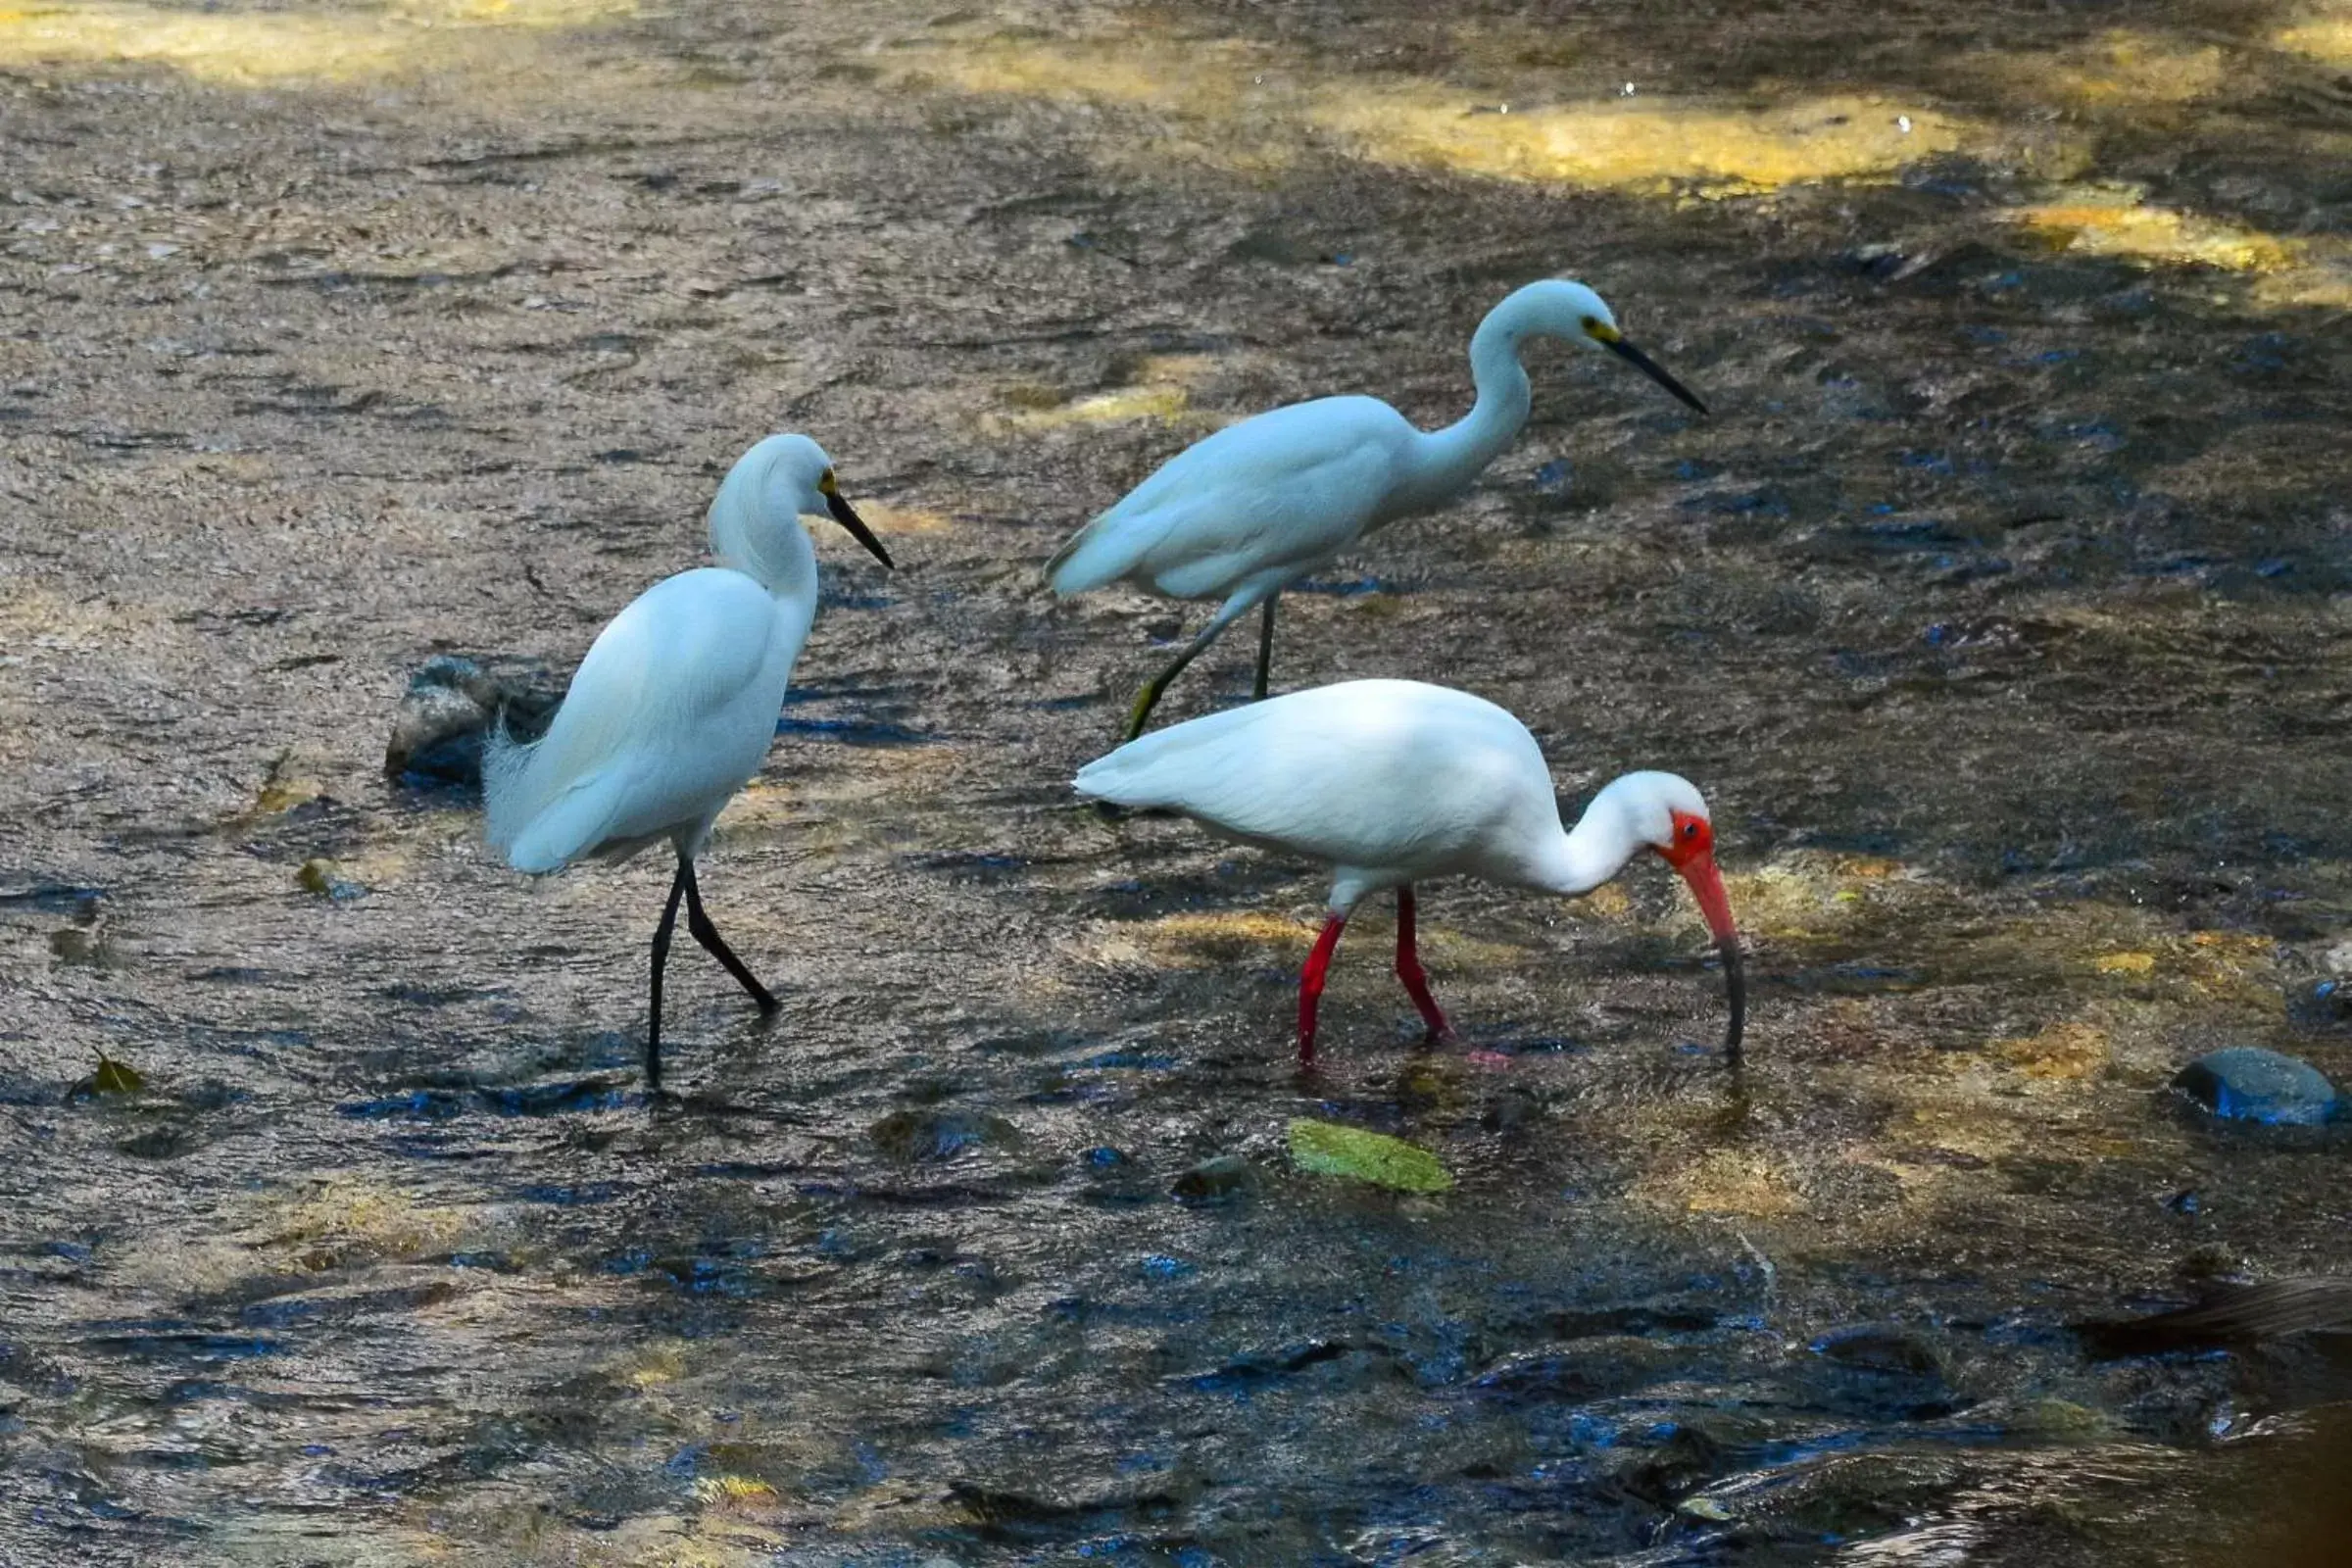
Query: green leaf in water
x=113, y=1078
x=1328, y=1149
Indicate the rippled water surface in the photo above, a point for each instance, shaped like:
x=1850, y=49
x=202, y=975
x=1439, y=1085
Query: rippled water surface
x=2001, y=608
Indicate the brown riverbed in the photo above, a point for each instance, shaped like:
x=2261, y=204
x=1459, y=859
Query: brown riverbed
x=2001, y=609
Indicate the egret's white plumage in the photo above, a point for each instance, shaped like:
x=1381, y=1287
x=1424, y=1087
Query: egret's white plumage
x=675, y=706
x=1242, y=514
x=1392, y=782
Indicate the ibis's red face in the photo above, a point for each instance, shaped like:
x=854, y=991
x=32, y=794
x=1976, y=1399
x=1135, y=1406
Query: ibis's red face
x=1691, y=851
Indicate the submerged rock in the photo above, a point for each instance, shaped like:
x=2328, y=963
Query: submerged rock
x=450, y=705
x=2247, y=1083
x=325, y=878
x=930, y=1136
x=1880, y=1347
x=1219, y=1179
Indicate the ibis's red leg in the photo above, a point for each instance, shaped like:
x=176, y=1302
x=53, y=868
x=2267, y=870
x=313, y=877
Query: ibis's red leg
x=1310, y=986
x=1409, y=969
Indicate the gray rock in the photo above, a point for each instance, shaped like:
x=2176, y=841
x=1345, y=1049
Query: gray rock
x=450, y=705
x=2246, y=1083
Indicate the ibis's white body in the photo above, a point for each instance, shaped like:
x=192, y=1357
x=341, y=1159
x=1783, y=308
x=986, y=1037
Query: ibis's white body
x=1389, y=782
x=1243, y=513
x=675, y=706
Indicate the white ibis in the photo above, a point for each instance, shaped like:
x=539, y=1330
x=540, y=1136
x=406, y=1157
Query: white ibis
x=1392, y=782
x=675, y=706
x=1244, y=513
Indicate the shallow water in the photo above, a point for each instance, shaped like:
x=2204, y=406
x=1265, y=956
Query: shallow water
x=2000, y=607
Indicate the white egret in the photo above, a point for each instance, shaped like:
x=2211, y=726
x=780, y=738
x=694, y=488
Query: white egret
x=675, y=706
x=1392, y=782
x=1242, y=514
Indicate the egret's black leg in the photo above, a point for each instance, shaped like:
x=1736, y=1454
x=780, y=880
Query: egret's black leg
x=669, y=918
x=1149, y=698
x=707, y=934
x=1265, y=649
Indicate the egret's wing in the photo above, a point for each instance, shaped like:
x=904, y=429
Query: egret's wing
x=1290, y=487
x=649, y=723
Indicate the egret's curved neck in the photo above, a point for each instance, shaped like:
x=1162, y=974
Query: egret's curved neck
x=1448, y=459
x=746, y=534
x=1579, y=859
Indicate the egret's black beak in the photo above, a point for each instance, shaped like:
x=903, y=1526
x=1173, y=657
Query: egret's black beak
x=844, y=514
x=1651, y=369
x=1734, y=984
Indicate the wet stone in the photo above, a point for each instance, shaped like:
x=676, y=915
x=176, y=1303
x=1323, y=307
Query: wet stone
x=924, y=1137
x=450, y=705
x=325, y=878
x=2247, y=1083
x=1219, y=1179
x=1880, y=1347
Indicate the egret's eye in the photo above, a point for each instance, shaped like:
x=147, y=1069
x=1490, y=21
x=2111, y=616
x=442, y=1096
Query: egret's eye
x=824, y=483
x=1590, y=323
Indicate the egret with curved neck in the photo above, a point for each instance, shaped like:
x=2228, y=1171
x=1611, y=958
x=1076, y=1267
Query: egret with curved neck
x=1391, y=783
x=1242, y=514
x=675, y=707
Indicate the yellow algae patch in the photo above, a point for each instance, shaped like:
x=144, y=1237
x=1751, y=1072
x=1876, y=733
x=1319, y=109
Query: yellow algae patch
x=345, y=1221
x=1224, y=936
x=1643, y=144
x=653, y=1367
x=1807, y=894
x=1247, y=93
x=2134, y=964
x=1967, y=1127
x=1108, y=408
x=883, y=517
x=1157, y=390
x=738, y=1493
x=1608, y=902
x=1206, y=77
x=2116, y=220
x=247, y=46
x=1735, y=1182
x=2325, y=38
x=2070, y=1049
x=2121, y=69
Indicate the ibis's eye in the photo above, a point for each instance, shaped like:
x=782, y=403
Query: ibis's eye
x=1689, y=830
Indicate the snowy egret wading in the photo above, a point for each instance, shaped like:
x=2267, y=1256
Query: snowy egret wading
x=1392, y=782
x=1244, y=513
x=675, y=707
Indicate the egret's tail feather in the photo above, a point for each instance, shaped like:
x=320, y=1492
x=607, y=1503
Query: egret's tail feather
x=505, y=768
x=537, y=816
x=1099, y=554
